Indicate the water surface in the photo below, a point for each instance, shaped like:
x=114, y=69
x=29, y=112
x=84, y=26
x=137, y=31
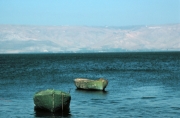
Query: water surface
x=140, y=84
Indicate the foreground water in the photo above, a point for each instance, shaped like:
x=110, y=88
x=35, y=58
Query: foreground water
x=140, y=84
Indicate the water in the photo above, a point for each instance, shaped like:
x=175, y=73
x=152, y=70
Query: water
x=140, y=84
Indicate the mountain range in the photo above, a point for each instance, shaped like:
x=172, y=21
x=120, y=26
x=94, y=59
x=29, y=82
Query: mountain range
x=61, y=39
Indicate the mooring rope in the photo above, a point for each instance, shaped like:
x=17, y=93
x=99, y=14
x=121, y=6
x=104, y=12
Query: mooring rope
x=62, y=101
x=53, y=102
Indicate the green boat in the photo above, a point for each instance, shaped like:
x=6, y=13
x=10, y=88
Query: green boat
x=87, y=84
x=52, y=100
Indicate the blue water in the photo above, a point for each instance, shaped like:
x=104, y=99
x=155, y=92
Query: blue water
x=141, y=84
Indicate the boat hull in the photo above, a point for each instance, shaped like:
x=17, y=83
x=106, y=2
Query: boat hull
x=52, y=100
x=88, y=84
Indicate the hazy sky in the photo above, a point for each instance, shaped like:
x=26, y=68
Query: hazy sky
x=89, y=12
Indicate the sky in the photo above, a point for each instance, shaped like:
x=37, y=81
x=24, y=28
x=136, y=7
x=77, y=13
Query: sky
x=89, y=12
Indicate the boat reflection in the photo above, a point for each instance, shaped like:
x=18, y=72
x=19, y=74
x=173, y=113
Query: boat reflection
x=94, y=92
x=44, y=113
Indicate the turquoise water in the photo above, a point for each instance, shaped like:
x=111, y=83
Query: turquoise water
x=140, y=84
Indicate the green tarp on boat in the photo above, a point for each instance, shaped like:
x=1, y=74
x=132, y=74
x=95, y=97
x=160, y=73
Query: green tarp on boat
x=52, y=100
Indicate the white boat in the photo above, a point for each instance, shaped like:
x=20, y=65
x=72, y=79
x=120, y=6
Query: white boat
x=88, y=84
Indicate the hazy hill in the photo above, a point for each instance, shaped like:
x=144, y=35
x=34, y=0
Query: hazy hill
x=24, y=39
